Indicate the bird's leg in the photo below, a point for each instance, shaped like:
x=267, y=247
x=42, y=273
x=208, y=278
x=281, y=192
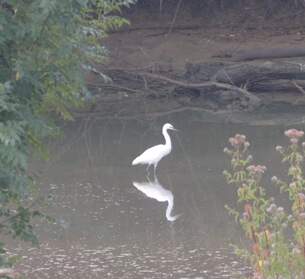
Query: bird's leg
x=147, y=170
x=147, y=177
x=155, y=167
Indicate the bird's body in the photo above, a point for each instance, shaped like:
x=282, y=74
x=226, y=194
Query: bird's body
x=154, y=190
x=154, y=154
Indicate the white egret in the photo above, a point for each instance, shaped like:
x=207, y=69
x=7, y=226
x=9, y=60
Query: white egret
x=154, y=190
x=153, y=155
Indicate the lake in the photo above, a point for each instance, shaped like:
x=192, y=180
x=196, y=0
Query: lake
x=107, y=227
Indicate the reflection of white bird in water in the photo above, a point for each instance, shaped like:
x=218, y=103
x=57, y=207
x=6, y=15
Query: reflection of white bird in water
x=153, y=155
x=154, y=190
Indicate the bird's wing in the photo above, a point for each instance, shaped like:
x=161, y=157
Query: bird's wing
x=153, y=191
x=153, y=150
x=149, y=154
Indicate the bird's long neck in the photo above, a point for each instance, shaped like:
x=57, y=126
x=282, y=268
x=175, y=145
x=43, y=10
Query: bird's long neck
x=169, y=209
x=167, y=138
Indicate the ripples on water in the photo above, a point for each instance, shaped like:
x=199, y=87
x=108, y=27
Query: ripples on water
x=87, y=218
x=130, y=261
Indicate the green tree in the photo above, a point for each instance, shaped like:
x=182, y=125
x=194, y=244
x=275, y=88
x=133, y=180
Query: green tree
x=45, y=49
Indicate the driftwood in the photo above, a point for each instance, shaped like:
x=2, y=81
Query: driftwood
x=278, y=86
x=254, y=100
x=215, y=86
x=252, y=54
x=151, y=83
x=243, y=74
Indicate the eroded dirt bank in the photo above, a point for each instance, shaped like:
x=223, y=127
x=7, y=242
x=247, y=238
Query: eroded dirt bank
x=234, y=60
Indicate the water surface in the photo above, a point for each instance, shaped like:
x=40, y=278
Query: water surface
x=108, y=228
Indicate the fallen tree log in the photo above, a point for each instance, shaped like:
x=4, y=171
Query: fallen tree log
x=252, y=54
x=253, y=100
x=278, y=86
x=214, y=85
x=243, y=74
x=145, y=81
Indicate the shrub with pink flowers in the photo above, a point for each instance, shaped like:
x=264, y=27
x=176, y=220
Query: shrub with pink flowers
x=273, y=251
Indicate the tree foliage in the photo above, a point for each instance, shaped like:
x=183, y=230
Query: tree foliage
x=45, y=49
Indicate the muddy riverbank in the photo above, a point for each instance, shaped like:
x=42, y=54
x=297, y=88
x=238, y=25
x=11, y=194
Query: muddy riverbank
x=169, y=60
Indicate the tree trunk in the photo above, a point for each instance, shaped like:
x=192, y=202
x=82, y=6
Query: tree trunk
x=247, y=73
x=278, y=86
x=252, y=54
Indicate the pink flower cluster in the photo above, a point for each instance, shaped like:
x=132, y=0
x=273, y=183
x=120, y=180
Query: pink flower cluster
x=258, y=169
x=237, y=140
x=294, y=135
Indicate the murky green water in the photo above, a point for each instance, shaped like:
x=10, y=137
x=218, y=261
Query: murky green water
x=108, y=228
